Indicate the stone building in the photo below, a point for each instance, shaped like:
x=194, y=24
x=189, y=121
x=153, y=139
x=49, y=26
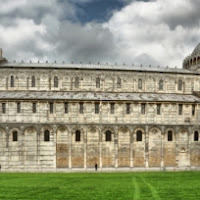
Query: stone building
x=72, y=116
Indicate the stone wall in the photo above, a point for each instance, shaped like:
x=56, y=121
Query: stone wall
x=87, y=81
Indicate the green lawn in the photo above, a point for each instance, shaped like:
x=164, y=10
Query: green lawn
x=105, y=186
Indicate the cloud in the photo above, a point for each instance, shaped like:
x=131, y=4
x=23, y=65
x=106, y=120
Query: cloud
x=160, y=30
x=143, y=32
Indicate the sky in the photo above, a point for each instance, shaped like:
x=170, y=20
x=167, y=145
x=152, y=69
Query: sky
x=131, y=32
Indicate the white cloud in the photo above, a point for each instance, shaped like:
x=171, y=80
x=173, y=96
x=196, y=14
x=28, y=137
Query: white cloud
x=155, y=32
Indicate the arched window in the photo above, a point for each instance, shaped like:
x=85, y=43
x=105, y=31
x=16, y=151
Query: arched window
x=76, y=82
x=140, y=84
x=139, y=136
x=33, y=81
x=12, y=81
x=78, y=136
x=196, y=136
x=119, y=83
x=160, y=84
x=180, y=84
x=55, y=81
x=46, y=135
x=108, y=136
x=98, y=82
x=15, y=136
x=169, y=136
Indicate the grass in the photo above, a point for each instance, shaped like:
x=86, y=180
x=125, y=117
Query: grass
x=97, y=186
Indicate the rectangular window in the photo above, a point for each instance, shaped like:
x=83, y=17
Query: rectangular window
x=12, y=81
x=34, y=108
x=66, y=107
x=78, y=136
x=51, y=107
x=193, y=110
x=18, y=108
x=4, y=108
x=180, y=109
x=128, y=108
x=81, y=108
x=112, y=108
x=158, y=109
x=143, y=108
x=15, y=136
x=96, y=108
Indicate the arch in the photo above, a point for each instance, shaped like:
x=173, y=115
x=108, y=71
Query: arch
x=196, y=136
x=56, y=81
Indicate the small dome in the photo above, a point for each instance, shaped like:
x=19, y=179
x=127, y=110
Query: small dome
x=196, y=50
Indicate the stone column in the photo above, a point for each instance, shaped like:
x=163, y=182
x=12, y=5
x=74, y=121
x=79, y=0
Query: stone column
x=177, y=145
x=100, y=149
x=38, y=147
x=116, y=148
x=147, y=147
x=162, y=147
x=131, y=149
x=27, y=86
x=55, y=145
x=189, y=142
x=70, y=149
x=49, y=83
x=85, y=149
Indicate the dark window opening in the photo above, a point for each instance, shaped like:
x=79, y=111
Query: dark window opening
x=139, y=136
x=76, y=82
x=96, y=108
x=78, y=136
x=81, y=108
x=112, y=108
x=12, y=81
x=180, y=109
x=119, y=83
x=193, y=110
x=196, y=136
x=158, y=109
x=128, y=108
x=33, y=81
x=161, y=84
x=15, y=136
x=34, y=108
x=140, y=84
x=46, y=136
x=98, y=82
x=170, y=136
x=18, y=107
x=108, y=136
x=55, y=81
x=66, y=107
x=180, y=84
x=4, y=108
x=51, y=107
x=143, y=108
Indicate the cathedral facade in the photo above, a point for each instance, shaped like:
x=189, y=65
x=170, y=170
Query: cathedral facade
x=73, y=116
